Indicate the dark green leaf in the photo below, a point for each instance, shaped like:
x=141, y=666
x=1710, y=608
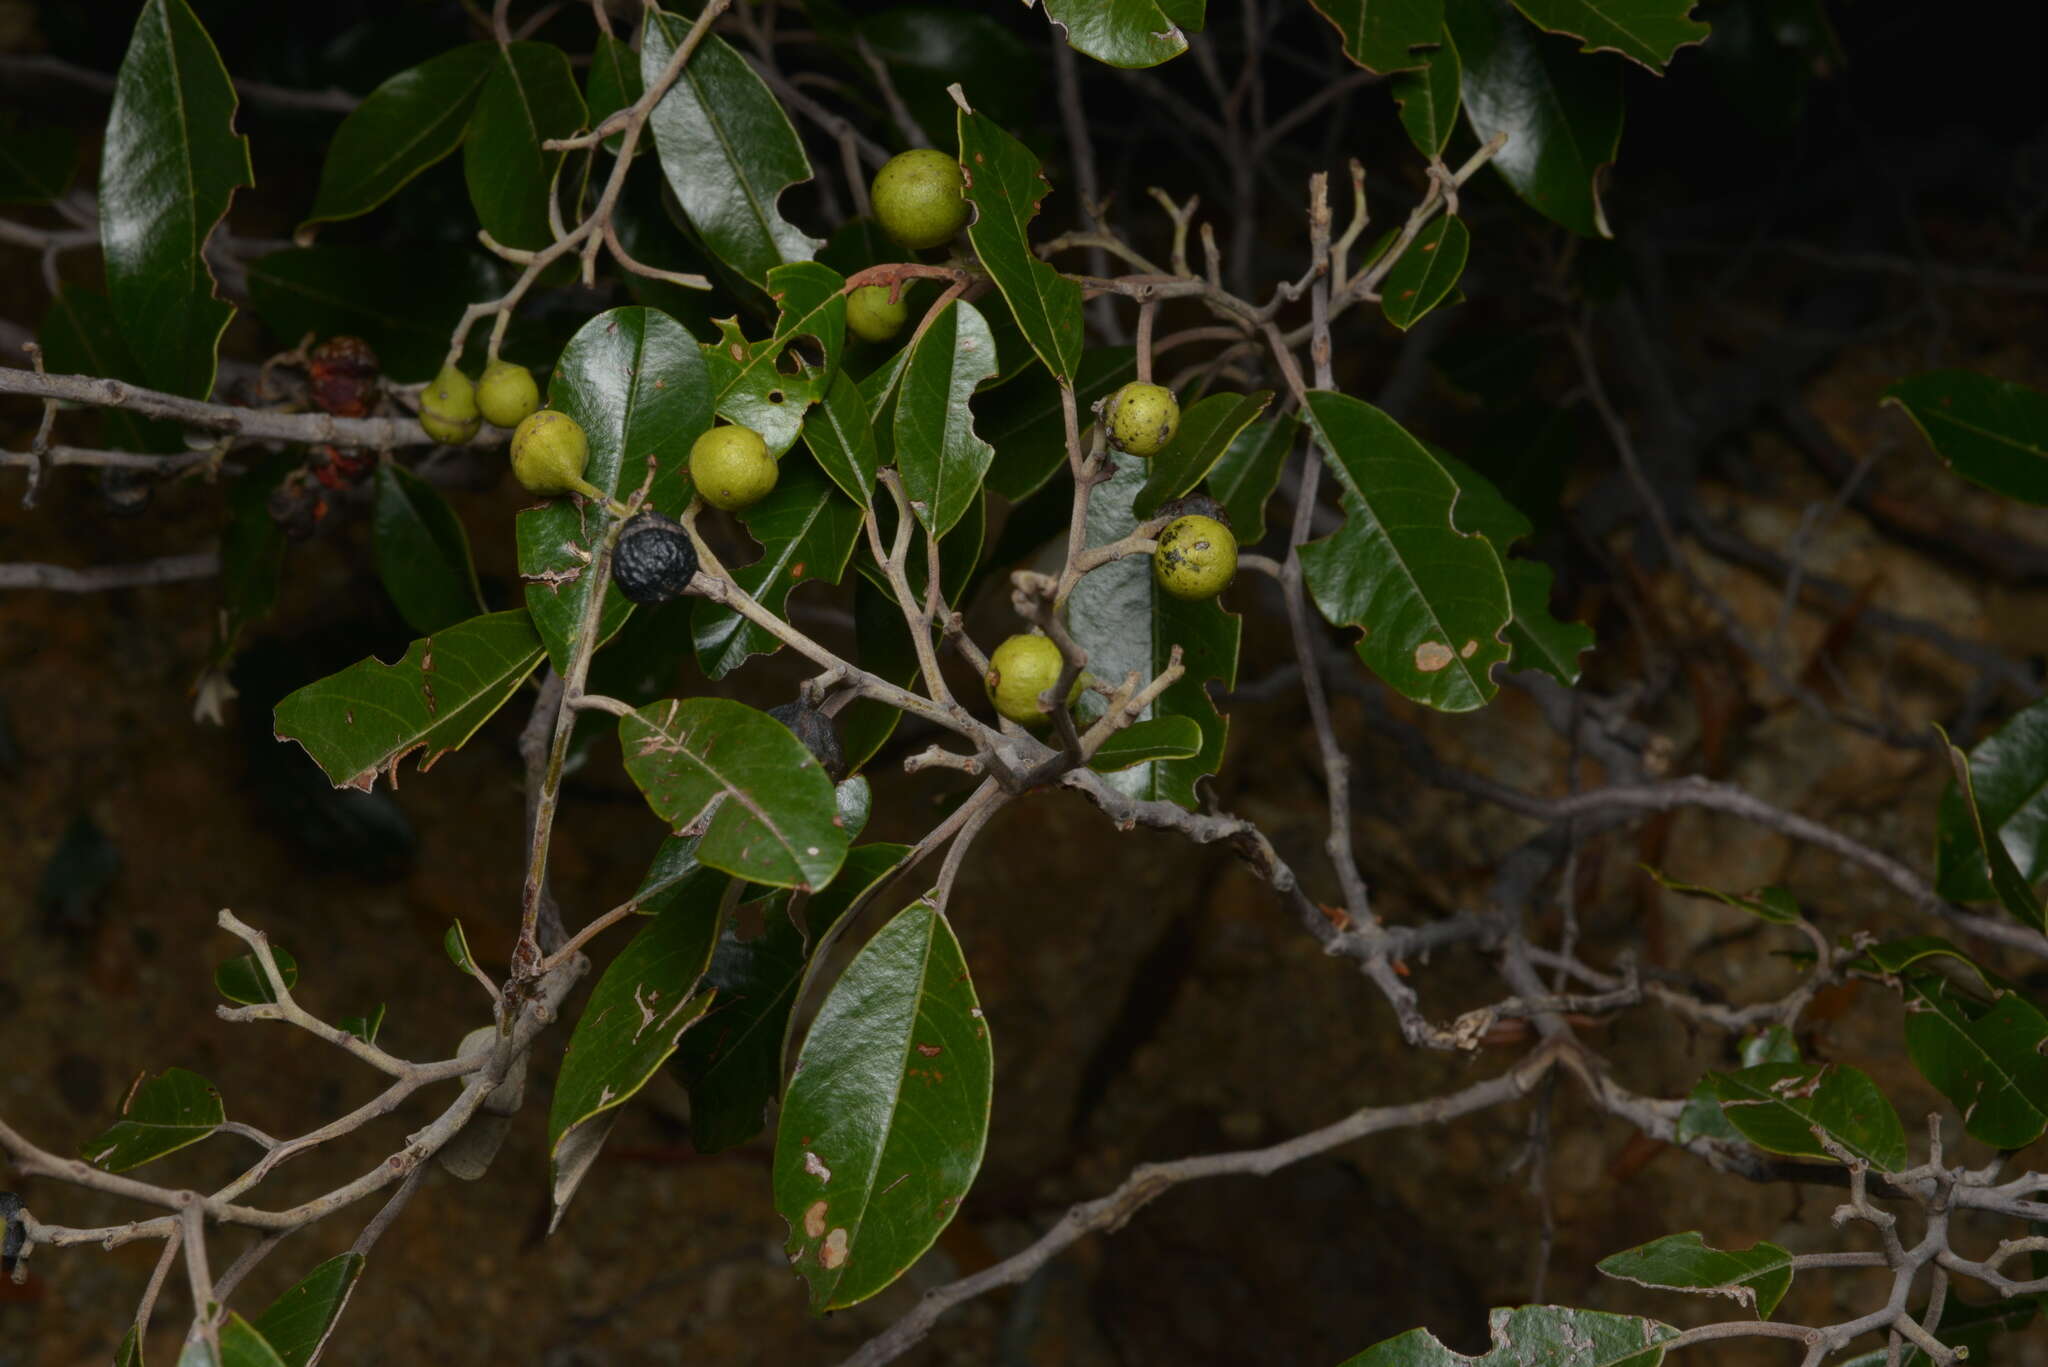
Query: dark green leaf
x=243, y=981
x=884, y=648
x=929, y=47
x=162, y=1115
x=758, y=384
x=634, y=380
x=1777, y=1106
x=169, y=165
x=1772, y=904
x=1988, y=431
x=1385, y=35
x=777, y=824
x=732, y=1065
x=613, y=83
x=404, y=304
x=1005, y=187
x=1538, y=639
x=1244, y=479
x=644, y=1002
x=1127, y=33
x=240, y=1346
x=455, y=945
x=297, y=1323
x=364, y=720
x=252, y=551
x=807, y=532
x=1207, y=430
x=1562, y=113
x=1159, y=738
x=1645, y=31
x=81, y=336
x=365, y=1028
x=1431, y=599
x=887, y=1114
x=400, y=129
x=2009, y=772
x=1757, y=1277
x=2014, y=889
x=35, y=164
x=840, y=434
x=1426, y=272
x=1025, y=424
x=1702, y=1113
x=1429, y=98
x=129, y=1354
x=727, y=149
x=937, y=451
x=422, y=552
x=529, y=97
x=1125, y=622
x=1985, y=1058
x=1549, y=1334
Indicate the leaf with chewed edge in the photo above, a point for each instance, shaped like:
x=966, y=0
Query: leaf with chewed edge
x=1553, y=1335
x=1756, y=1277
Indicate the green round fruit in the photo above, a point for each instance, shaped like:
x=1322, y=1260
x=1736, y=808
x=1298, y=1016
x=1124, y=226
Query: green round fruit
x=448, y=408
x=872, y=315
x=507, y=395
x=920, y=198
x=1196, y=557
x=549, y=453
x=731, y=467
x=1022, y=668
x=1142, y=418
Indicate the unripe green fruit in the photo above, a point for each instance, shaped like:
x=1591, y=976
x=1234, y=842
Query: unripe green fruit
x=920, y=198
x=507, y=395
x=731, y=467
x=549, y=453
x=1196, y=558
x=1022, y=668
x=872, y=316
x=448, y=408
x=1142, y=418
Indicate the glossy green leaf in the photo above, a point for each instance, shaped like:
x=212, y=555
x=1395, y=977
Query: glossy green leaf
x=400, y=129
x=243, y=981
x=170, y=163
x=364, y=1028
x=1552, y=1335
x=36, y=164
x=1990, y=432
x=1005, y=187
x=1126, y=33
x=529, y=96
x=941, y=459
x=297, y=1323
x=1756, y=1277
x=1385, y=35
x=80, y=335
x=1536, y=639
x=455, y=944
x=1772, y=904
x=807, y=532
x=1702, y=1113
x=162, y=1115
x=1778, y=1106
x=1426, y=273
x=1158, y=739
x=422, y=552
x=1429, y=98
x=1562, y=113
x=1125, y=622
x=1244, y=479
x=404, y=304
x=1207, y=429
x=840, y=434
x=2013, y=888
x=641, y=1006
x=612, y=83
x=777, y=823
x=732, y=1063
x=1431, y=600
x=1023, y=420
x=1985, y=1058
x=727, y=149
x=887, y=1114
x=241, y=1345
x=634, y=380
x=767, y=385
x=2009, y=773
x=1645, y=31
x=363, y=721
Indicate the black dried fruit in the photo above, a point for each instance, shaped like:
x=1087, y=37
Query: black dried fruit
x=816, y=731
x=341, y=377
x=655, y=560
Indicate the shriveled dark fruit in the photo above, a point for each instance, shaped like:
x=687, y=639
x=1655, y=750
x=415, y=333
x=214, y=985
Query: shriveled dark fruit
x=16, y=1233
x=341, y=376
x=655, y=560
x=817, y=732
